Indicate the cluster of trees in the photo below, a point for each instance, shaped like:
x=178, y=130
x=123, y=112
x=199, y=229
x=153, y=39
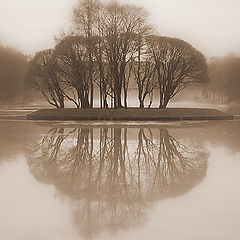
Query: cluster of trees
x=224, y=75
x=113, y=175
x=13, y=69
x=111, y=49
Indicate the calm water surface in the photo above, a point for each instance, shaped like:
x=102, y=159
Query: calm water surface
x=69, y=181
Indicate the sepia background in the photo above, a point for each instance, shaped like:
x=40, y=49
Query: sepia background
x=133, y=180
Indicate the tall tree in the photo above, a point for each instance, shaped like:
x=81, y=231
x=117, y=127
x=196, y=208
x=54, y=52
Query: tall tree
x=43, y=75
x=103, y=80
x=120, y=26
x=177, y=65
x=84, y=19
x=144, y=72
x=73, y=60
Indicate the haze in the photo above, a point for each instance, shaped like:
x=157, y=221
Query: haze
x=209, y=25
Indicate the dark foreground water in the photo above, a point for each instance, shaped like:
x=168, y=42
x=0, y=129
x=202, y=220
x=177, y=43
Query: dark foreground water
x=69, y=181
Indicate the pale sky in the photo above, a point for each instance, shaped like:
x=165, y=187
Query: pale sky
x=212, y=26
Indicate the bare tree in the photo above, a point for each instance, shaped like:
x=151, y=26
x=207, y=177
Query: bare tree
x=119, y=26
x=43, y=75
x=103, y=79
x=85, y=24
x=144, y=72
x=177, y=65
x=73, y=59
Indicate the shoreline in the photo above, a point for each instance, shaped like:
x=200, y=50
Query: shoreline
x=130, y=114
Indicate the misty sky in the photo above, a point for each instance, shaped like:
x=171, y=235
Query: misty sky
x=212, y=26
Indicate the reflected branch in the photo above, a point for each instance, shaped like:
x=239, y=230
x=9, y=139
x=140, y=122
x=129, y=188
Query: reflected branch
x=112, y=178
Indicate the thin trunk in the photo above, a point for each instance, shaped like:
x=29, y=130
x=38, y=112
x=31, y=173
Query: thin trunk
x=141, y=104
x=92, y=92
x=125, y=99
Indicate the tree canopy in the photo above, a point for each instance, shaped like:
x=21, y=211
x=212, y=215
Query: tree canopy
x=110, y=50
x=177, y=66
x=43, y=76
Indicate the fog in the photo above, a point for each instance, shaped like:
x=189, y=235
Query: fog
x=209, y=25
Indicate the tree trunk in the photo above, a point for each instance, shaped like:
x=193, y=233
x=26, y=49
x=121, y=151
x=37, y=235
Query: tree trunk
x=105, y=104
x=61, y=102
x=119, y=102
x=125, y=100
x=141, y=104
x=91, y=98
x=150, y=99
x=164, y=104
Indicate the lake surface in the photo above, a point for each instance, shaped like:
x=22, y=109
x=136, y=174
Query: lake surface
x=99, y=180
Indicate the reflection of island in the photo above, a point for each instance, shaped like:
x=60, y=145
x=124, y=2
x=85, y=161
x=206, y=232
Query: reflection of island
x=113, y=179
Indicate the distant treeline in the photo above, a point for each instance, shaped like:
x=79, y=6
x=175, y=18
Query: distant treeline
x=224, y=74
x=13, y=68
x=110, y=50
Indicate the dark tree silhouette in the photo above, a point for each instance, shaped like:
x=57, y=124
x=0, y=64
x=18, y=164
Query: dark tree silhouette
x=103, y=80
x=178, y=65
x=118, y=29
x=73, y=59
x=85, y=19
x=111, y=47
x=43, y=75
x=144, y=72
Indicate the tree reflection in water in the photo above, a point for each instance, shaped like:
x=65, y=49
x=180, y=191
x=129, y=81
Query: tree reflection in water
x=111, y=177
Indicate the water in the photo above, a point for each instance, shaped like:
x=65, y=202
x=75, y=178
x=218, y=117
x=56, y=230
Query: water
x=92, y=180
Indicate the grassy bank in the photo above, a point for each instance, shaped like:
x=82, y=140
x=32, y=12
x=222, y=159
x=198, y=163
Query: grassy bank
x=129, y=114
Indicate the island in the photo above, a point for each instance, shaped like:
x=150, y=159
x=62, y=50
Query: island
x=130, y=114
